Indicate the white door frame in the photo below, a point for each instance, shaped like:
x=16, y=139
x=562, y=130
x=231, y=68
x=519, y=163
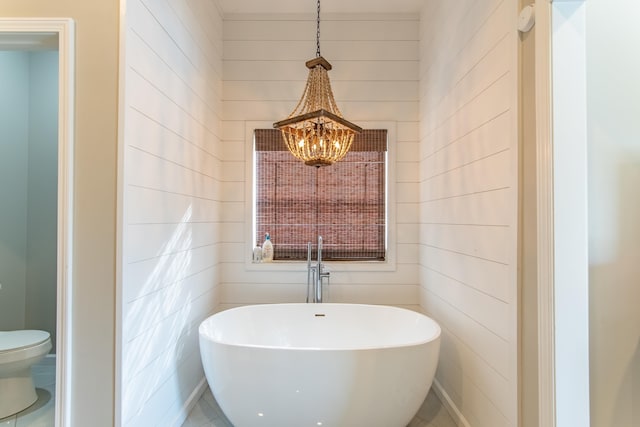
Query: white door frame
x=563, y=284
x=544, y=185
x=64, y=28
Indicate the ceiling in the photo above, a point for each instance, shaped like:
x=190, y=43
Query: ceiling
x=327, y=6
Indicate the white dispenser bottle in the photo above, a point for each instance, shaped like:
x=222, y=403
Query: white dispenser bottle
x=267, y=249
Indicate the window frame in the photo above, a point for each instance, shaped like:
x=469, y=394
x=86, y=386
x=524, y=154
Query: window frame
x=389, y=264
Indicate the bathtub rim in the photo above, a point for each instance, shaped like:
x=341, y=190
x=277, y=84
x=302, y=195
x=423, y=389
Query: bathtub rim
x=433, y=338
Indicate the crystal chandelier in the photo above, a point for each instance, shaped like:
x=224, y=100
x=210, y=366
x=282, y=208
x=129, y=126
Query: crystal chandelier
x=315, y=132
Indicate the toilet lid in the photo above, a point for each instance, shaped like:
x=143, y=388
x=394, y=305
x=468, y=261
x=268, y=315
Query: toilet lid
x=15, y=340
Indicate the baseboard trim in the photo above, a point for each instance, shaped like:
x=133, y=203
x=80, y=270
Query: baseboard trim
x=451, y=407
x=191, y=401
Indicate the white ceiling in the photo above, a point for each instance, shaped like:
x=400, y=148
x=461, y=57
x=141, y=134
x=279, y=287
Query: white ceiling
x=326, y=6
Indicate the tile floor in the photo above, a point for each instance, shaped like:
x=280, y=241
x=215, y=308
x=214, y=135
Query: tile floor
x=41, y=413
x=207, y=413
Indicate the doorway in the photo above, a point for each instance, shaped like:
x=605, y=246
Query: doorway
x=41, y=182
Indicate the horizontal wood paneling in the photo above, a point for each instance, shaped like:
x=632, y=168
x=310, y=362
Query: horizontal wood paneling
x=462, y=33
x=153, y=240
x=487, y=174
x=230, y=252
x=153, y=274
x=488, y=207
x=480, y=143
x=479, y=408
x=361, y=91
x=374, y=79
x=343, y=50
x=355, y=111
x=489, y=346
x=292, y=273
x=155, y=139
x=491, y=103
x=156, y=173
x=489, y=243
x=170, y=372
x=303, y=28
x=174, y=207
x=343, y=70
x=485, y=309
x=387, y=294
x=172, y=200
x=168, y=38
x=491, y=278
x=476, y=370
x=468, y=202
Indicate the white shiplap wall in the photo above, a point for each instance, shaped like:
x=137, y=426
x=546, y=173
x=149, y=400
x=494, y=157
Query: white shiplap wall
x=468, y=202
x=375, y=82
x=172, y=201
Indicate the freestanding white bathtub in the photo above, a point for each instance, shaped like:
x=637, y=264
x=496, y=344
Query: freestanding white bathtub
x=331, y=365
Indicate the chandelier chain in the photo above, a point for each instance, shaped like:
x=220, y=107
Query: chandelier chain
x=318, y=32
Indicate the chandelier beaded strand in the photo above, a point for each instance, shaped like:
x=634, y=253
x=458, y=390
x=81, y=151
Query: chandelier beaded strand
x=316, y=132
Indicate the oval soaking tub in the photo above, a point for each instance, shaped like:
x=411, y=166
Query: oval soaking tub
x=331, y=365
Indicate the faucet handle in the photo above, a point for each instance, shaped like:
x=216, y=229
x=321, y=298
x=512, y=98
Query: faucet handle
x=324, y=272
x=326, y=289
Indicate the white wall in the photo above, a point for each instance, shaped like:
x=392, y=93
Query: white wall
x=375, y=82
x=469, y=202
x=613, y=133
x=28, y=219
x=14, y=122
x=42, y=199
x=171, y=202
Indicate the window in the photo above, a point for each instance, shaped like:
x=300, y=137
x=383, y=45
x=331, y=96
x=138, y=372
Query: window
x=344, y=203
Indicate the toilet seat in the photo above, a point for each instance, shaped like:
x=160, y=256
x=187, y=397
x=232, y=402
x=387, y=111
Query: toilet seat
x=23, y=345
x=20, y=340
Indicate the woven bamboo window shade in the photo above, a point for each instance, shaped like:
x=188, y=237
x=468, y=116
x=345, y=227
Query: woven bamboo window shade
x=345, y=204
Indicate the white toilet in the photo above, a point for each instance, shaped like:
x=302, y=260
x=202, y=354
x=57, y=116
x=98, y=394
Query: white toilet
x=18, y=351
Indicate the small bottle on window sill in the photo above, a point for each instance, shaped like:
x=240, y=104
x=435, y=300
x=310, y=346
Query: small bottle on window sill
x=257, y=254
x=267, y=249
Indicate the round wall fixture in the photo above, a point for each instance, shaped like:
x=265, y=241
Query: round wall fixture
x=527, y=18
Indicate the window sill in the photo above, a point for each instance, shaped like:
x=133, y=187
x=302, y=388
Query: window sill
x=334, y=266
